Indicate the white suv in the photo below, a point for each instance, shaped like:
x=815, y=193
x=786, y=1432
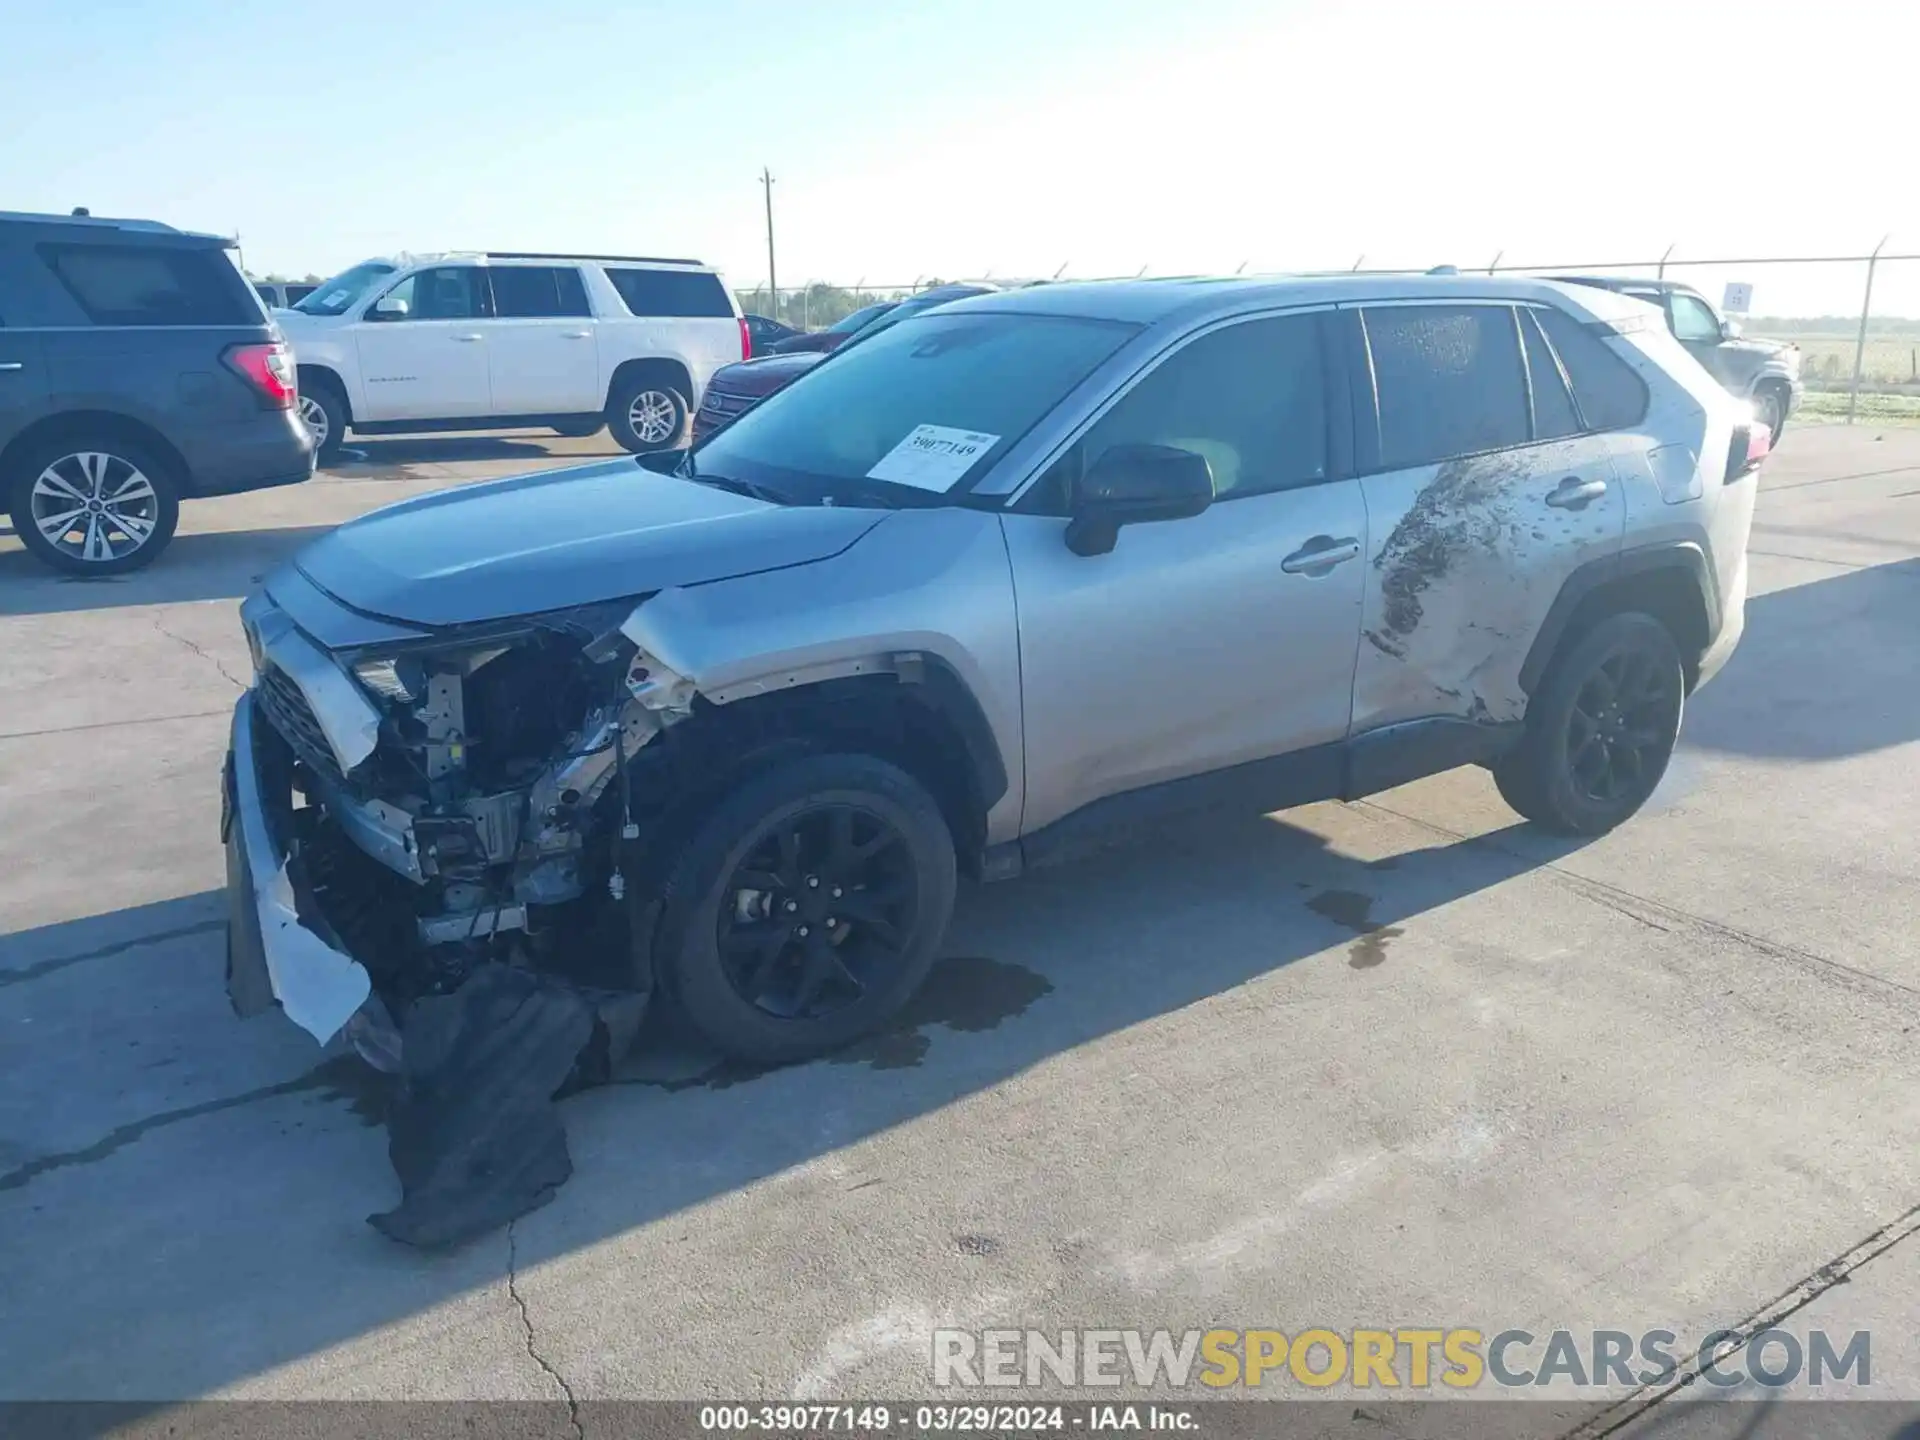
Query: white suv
x=494, y=341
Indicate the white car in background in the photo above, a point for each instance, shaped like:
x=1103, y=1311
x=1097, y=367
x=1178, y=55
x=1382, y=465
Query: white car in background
x=506, y=340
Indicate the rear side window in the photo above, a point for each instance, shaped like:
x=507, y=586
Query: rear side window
x=683, y=293
x=1611, y=396
x=534, y=290
x=1553, y=412
x=1449, y=381
x=150, y=285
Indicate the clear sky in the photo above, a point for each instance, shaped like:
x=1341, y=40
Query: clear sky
x=962, y=137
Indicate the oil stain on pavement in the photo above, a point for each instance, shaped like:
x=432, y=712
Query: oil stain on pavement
x=1349, y=909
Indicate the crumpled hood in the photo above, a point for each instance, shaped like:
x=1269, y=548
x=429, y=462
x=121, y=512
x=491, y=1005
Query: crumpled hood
x=767, y=374
x=563, y=537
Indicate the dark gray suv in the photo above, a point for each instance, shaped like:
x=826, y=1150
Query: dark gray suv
x=137, y=369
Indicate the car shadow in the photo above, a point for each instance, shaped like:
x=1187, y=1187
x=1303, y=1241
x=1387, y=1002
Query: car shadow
x=223, y=565
x=368, y=456
x=258, y=1212
x=1824, y=670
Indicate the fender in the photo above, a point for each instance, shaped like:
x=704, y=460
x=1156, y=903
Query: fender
x=1684, y=555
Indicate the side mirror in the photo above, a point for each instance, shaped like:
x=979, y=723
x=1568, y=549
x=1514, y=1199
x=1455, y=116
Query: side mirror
x=1134, y=484
x=1729, y=329
x=389, y=307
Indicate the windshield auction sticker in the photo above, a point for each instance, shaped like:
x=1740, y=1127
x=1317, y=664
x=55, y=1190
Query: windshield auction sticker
x=933, y=457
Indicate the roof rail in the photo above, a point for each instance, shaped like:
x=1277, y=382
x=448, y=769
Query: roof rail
x=1444, y=270
x=553, y=255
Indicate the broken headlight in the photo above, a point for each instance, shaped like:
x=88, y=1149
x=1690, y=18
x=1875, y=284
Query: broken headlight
x=391, y=677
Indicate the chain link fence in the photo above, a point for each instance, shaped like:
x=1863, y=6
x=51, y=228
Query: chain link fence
x=1854, y=317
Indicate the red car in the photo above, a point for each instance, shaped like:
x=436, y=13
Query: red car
x=734, y=388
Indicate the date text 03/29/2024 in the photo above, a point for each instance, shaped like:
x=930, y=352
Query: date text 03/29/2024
x=940, y=1419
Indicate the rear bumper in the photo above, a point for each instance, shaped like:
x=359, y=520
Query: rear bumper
x=276, y=949
x=270, y=448
x=1733, y=624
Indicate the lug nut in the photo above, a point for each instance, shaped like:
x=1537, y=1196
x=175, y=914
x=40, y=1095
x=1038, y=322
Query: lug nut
x=813, y=882
x=792, y=905
x=836, y=892
x=830, y=922
x=801, y=932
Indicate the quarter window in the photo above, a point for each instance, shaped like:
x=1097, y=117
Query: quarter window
x=1553, y=412
x=149, y=285
x=681, y=293
x=1449, y=382
x=1610, y=394
x=525, y=291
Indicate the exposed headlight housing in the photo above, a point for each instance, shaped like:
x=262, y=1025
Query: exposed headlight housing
x=391, y=677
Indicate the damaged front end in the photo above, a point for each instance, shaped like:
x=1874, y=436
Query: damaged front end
x=425, y=848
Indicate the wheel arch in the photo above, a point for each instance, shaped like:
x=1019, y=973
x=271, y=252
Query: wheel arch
x=73, y=424
x=1672, y=581
x=658, y=369
x=329, y=376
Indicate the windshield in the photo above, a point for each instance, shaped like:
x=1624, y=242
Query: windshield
x=911, y=413
x=334, y=297
x=859, y=318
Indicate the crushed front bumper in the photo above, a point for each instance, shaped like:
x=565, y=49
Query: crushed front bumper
x=279, y=949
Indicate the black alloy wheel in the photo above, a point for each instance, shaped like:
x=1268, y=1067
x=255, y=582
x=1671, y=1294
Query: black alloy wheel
x=818, y=913
x=1620, y=728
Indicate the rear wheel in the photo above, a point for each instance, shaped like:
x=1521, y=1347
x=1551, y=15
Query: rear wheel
x=94, y=505
x=807, y=907
x=1770, y=408
x=323, y=410
x=646, y=415
x=1601, y=729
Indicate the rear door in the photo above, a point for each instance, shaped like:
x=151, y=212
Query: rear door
x=1484, y=495
x=23, y=376
x=1201, y=643
x=431, y=363
x=541, y=352
x=684, y=314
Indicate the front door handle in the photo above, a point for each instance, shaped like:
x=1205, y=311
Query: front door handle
x=1320, y=554
x=579, y=335
x=468, y=338
x=13, y=364
x=1573, y=493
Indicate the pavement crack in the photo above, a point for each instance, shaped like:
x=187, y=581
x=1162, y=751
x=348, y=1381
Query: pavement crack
x=322, y=1077
x=1796, y=1297
x=527, y=1335
x=48, y=967
x=204, y=654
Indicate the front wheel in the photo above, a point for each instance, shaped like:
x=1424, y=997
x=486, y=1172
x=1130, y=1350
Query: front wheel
x=1770, y=409
x=807, y=907
x=97, y=505
x=1601, y=729
x=645, y=415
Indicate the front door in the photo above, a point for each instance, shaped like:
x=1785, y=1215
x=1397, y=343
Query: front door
x=429, y=363
x=541, y=345
x=1695, y=326
x=1487, y=490
x=1201, y=643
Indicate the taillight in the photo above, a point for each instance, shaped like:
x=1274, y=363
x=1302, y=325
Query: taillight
x=269, y=369
x=1752, y=443
x=746, y=341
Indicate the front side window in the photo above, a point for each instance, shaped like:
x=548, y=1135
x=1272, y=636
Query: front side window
x=446, y=292
x=1610, y=394
x=337, y=296
x=860, y=319
x=1251, y=400
x=1449, y=381
x=531, y=291
x=922, y=407
x=149, y=285
x=1693, y=321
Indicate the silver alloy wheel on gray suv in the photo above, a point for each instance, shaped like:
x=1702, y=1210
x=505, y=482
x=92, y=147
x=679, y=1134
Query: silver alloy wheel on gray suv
x=96, y=510
x=654, y=416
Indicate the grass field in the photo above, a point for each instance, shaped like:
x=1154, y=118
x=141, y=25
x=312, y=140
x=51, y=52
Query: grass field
x=1830, y=407
x=1889, y=359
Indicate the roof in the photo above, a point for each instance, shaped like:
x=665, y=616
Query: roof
x=1624, y=282
x=104, y=222
x=1148, y=302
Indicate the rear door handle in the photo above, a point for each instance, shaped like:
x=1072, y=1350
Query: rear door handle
x=579, y=335
x=13, y=364
x=1320, y=554
x=468, y=339
x=1573, y=493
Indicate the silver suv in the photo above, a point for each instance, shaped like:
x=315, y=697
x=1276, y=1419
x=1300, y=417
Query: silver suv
x=1018, y=571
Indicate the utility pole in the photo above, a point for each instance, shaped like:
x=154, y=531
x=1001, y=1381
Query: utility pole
x=773, y=285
